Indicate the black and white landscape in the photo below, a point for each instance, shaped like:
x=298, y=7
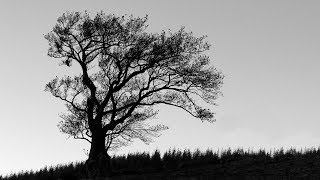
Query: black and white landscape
x=266, y=53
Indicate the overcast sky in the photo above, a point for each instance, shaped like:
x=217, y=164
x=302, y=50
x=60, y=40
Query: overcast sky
x=268, y=51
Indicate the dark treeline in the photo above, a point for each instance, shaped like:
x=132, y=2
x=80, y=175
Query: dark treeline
x=176, y=164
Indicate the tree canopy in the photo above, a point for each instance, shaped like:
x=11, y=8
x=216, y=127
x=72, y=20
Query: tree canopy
x=125, y=73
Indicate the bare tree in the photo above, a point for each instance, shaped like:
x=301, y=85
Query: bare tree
x=125, y=73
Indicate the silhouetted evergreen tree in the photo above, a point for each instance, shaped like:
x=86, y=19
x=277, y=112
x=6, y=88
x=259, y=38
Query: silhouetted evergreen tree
x=156, y=160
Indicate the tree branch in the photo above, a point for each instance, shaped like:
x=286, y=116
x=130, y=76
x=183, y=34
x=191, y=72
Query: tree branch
x=167, y=103
x=70, y=102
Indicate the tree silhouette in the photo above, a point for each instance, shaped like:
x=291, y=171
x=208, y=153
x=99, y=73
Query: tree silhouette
x=125, y=73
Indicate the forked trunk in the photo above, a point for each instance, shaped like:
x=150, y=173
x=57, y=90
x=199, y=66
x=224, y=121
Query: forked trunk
x=98, y=163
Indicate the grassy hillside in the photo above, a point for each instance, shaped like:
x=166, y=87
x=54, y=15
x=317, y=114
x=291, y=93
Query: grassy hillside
x=175, y=164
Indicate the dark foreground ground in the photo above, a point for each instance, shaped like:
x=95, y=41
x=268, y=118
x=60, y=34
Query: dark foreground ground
x=182, y=165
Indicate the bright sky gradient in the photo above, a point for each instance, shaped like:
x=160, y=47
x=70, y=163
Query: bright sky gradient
x=268, y=50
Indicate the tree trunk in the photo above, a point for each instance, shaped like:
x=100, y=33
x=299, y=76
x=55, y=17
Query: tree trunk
x=98, y=163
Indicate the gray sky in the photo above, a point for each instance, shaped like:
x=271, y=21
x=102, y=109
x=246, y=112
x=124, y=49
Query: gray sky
x=268, y=50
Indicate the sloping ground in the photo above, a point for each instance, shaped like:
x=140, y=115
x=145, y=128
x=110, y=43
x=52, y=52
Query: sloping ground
x=242, y=169
x=198, y=165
